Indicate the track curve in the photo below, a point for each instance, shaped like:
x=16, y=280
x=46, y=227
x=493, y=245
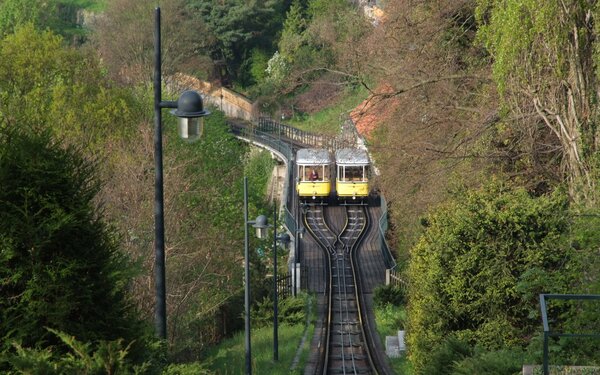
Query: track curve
x=345, y=345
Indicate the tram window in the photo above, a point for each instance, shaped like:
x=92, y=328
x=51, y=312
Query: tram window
x=352, y=173
x=304, y=173
x=313, y=173
x=325, y=173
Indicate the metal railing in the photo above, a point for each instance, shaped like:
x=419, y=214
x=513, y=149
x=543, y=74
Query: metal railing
x=280, y=145
x=284, y=286
x=302, y=137
x=548, y=333
x=389, y=260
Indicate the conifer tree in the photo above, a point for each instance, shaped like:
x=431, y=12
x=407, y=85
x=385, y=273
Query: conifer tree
x=60, y=267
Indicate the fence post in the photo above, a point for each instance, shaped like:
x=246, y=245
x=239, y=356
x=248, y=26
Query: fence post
x=546, y=366
x=387, y=276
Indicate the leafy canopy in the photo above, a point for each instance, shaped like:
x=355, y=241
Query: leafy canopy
x=60, y=267
x=478, y=269
x=46, y=85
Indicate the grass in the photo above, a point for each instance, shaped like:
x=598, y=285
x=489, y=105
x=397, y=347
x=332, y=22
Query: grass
x=389, y=320
x=329, y=120
x=229, y=357
x=91, y=5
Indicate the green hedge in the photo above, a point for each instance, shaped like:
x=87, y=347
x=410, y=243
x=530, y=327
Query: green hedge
x=479, y=267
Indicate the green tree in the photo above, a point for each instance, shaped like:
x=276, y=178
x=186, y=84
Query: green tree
x=545, y=66
x=60, y=16
x=239, y=26
x=479, y=267
x=60, y=266
x=47, y=85
x=318, y=43
x=292, y=35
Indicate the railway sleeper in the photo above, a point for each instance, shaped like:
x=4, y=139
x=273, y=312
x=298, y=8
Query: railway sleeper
x=335, y=275
x=346, y=305
x=346, y=332
x=337, y=304
x=349, y=289
x=350, y=346
x=349, y=370
x=343, y=269
x=344, y=298
x=357, y=357
x=349, y=322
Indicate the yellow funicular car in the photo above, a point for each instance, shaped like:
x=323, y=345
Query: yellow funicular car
x=352, y=180
x=313, y=175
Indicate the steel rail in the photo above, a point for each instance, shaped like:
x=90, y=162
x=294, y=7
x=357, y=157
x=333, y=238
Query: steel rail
x=345, y=343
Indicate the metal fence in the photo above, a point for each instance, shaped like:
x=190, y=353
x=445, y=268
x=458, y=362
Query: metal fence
x=280, y=145
x=284, y=286
x=389, y=260
x=549, y=333
x=302, y=137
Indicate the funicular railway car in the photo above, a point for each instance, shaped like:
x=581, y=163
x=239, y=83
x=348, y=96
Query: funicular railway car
x=314, y=170
x=352, y=179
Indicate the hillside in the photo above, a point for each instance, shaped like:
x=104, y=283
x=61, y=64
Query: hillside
x=481, y=116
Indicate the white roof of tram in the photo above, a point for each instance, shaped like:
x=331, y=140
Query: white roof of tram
x=351, y=156
x=313, y=156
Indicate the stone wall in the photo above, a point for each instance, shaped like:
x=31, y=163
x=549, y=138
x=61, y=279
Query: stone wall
x=228, y=101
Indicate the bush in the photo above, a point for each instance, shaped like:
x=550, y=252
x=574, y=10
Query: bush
x=503, y=362
x=389, y=294
x=105, y=357
x=60, y=267
x=289, y=310
x=450, y=351
x=455, y=356
x=478, y=269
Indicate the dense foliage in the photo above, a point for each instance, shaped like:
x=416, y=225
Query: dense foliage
x=60, y=264
x=51, y=88
x=545, y=67
x=45, y=85
x=60, y=16
x=480, y=265
x=239, y=29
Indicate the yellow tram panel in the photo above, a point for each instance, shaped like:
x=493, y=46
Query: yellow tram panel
x=314, y=189
x=352, y=189
x=352, y=178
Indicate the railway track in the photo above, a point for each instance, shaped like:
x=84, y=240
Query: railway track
x=344, y=344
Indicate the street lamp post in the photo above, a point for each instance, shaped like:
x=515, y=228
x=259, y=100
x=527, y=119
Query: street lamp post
x=298, y=236
x=284, y=239
x=261, y=231
x=262, y=225
x=190, y=111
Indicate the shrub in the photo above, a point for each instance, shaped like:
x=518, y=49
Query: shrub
x=389, y=294
x=502, y=362
x=290, y=311
x=451, y=350
x=478, y=269
x=108, y=357
x=60, y=267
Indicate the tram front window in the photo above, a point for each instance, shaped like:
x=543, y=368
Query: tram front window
x=317, y=173
x=353, y=174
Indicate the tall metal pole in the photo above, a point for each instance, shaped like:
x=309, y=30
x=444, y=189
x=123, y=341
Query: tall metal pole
x=247, y=280
x=275, y=335
x=545, y=367
x=159, y=222
x=294, y=268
